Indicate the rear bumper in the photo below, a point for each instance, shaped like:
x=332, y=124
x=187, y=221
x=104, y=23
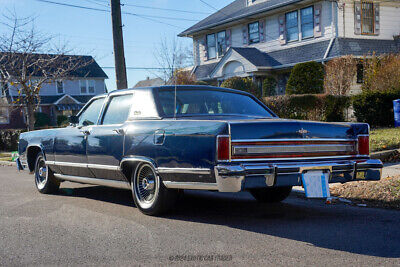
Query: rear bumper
x=235, y=178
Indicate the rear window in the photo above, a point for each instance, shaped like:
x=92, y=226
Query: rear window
x=209, y=102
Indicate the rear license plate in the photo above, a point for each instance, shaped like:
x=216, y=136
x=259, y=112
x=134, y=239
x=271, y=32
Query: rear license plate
x=316, y=184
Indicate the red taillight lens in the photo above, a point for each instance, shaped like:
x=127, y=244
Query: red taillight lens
x=363, y=145
x=223, y=147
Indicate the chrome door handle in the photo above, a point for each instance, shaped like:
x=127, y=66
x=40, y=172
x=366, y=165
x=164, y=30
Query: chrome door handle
x=86, y=132
x=120, y=131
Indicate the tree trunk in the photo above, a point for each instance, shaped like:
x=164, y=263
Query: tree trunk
x=30, y=116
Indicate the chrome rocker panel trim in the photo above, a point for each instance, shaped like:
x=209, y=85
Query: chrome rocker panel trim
x=192, y=186
x=94, y=181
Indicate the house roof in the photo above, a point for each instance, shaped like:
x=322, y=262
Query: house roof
x=150, y=82
x=235, y=11
x=90, y=67
x=52, y=99
x=203, y=71
x=362, y=47
x=288, y=57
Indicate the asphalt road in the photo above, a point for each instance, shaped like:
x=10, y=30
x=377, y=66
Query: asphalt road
x=93, y=225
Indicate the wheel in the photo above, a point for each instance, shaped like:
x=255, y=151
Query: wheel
x=271, y=195
x=149, y=193
x=45, y=181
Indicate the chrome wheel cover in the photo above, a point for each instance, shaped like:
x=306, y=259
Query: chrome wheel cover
x=41, y=174
x=146, y=186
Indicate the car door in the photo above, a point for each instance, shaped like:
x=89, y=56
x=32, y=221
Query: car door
x=105, y=143
x=70, y=143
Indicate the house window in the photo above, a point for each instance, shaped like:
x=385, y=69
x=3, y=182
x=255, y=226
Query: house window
x=307, y=22
x=60, y=87
x=254, y=33
x=83, y=86
x=211, y=46
x=292, y=26
x=91, y=85
x=367, y=18
x=4, y=115
x=221, y=43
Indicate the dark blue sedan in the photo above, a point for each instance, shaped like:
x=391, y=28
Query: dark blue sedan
x=158, y=141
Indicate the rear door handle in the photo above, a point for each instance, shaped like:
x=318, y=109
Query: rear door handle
x=120, y=131
x=85, y=132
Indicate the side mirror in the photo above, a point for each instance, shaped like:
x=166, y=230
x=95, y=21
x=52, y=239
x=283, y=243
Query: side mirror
x=73, y=119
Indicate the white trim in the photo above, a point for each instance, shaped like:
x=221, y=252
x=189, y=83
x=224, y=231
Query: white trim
x=64, y=96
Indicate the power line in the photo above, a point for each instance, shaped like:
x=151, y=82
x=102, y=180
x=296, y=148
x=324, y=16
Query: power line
x=157, y=8
x=148, y=17
x=207, y=4
x=138, y=68
x=168, y=9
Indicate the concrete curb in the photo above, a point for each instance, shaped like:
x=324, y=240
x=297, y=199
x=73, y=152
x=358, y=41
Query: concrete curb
x=7, y=163
x=384, y=155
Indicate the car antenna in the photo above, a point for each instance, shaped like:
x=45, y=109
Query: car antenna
x=174, y=95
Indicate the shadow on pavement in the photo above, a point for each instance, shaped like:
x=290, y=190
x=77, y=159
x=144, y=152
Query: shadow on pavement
x=363, y=231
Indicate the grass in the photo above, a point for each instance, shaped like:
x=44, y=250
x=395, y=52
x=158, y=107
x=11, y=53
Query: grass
x=384, y=193
x=385, y=139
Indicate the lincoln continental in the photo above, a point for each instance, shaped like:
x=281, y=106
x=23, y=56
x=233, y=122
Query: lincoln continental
x=159, y=141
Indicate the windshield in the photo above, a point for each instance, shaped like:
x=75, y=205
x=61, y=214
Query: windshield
x=209, y=102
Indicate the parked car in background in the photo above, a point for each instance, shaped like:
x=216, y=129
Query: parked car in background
x=157, y=141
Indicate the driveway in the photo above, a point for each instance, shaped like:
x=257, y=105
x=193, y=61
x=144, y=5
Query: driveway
x=100, y=226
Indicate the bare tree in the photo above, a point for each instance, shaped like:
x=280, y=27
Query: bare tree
x=172, y=56
x=339, y=75
x=28, y=61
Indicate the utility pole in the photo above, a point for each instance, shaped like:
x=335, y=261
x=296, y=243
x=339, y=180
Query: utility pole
x=119, y=55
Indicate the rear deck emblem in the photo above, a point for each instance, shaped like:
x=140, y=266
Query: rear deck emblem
x=303, y=132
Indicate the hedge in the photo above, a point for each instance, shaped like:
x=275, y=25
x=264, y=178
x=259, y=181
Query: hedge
x=375, y=107
x=243, y=84
x=306, y=78
x=9, y=139
x=310, y=107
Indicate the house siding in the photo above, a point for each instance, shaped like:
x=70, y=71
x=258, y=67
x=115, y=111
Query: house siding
x=272, y=42
x=389, y=21
x=71, y=87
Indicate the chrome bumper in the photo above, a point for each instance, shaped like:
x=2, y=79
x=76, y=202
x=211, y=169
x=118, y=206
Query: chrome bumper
x=235, y=178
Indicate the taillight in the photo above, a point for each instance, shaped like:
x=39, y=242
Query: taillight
x=223, y=149
x=363, y=144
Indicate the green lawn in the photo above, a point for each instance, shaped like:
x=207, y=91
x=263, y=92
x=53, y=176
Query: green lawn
x=385, y=139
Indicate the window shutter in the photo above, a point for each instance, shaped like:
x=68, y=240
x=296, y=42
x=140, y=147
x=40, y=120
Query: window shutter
x=245, y=31
x=317, y=20
x=228, y=38
x=205, y=50
x=357, y=18
x=262, y=30
x=282, y=29
x=377, y=19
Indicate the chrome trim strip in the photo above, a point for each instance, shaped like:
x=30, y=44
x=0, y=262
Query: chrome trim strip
x=84, y=165
x=188, y=185
x=184, y=170
x=286, y=140
x=299, y=158
x=249, y=150
x=94, y=181
x=104, y=167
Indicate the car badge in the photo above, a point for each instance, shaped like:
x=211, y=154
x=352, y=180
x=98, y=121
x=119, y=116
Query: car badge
x=303, y=132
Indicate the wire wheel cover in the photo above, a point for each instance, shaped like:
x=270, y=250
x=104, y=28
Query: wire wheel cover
x=41, y=174
x=145, y=185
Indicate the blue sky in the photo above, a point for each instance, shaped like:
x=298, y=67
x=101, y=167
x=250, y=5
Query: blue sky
x=89, y=32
